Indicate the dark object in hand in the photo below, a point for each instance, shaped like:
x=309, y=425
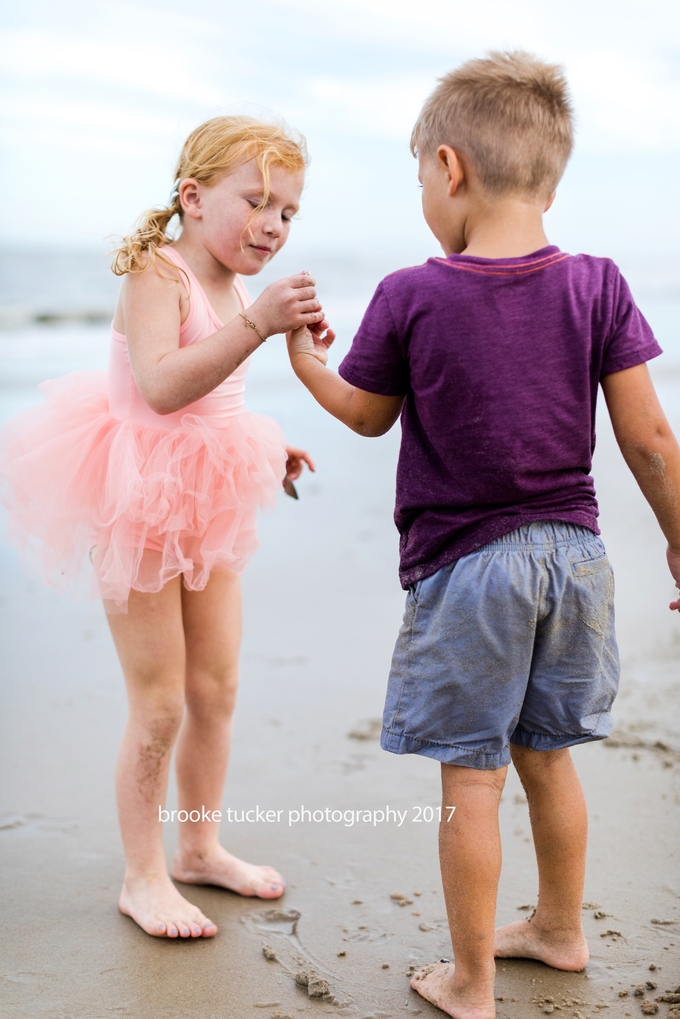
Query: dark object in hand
x=289, y=488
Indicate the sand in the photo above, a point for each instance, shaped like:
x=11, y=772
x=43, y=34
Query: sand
x=364, y=905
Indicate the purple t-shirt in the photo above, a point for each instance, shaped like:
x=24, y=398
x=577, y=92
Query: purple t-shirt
x=499, y=360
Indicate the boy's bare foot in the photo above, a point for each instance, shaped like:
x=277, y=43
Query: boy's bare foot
x=218, y=867
x=159, y=909
x=435, y=983
x=524, y=939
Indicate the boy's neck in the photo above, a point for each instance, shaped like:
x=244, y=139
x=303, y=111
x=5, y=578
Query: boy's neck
x=504, y=229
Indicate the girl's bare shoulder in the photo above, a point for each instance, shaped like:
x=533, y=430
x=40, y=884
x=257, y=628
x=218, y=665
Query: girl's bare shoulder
x=156, y=274
x=157, y=283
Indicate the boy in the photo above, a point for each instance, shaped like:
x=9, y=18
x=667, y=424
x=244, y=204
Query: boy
x=493, y=356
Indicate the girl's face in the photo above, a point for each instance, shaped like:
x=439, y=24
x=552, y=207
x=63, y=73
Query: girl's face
x=221, y=216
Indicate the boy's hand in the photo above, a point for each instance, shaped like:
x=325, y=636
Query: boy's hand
x=296, y=458
x=674, y=566
x=314, y=340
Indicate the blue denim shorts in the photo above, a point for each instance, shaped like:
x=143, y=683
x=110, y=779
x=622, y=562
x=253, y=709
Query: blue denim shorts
x=514, y=643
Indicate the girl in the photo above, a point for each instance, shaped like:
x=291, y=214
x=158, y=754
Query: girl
x=157, y=474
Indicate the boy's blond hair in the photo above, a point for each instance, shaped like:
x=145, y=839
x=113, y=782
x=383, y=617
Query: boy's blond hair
x=511, y=114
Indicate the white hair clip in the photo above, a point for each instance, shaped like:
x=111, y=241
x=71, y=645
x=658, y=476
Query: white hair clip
x=175, y=191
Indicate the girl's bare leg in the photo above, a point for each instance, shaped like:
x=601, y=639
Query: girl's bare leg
x=150, y=644
x=559, y=822
x=212, y=631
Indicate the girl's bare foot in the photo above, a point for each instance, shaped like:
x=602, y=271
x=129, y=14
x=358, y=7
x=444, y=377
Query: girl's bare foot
x=218, y=867
x=525, y=939
x=159, y=909
x=436, y=983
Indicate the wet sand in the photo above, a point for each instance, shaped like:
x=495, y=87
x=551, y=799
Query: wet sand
x=364, y=903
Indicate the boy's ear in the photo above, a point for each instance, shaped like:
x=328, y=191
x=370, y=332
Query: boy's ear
x=550, y=200
x=190, y=197
x=450, y=162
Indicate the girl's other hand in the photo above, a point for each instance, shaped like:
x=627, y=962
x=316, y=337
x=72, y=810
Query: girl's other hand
x=315, y=340
x=287, y=304
x=673, y=559
x=297, y=458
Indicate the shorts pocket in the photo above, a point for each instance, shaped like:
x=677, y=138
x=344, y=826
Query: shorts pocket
x=593, y=593
x=592, y=559
x=599, y=565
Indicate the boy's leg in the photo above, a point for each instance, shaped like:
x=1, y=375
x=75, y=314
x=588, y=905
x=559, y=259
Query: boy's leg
x=150, y=644
x=559, y=822
x=212, y=629
x=470, y=856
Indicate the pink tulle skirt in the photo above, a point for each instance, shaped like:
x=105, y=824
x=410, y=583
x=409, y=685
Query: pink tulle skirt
x=82, y=486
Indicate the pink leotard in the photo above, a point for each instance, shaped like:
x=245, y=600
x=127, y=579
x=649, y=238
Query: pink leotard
x=125, y=400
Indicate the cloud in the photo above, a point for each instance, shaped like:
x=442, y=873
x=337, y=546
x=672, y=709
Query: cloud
x=372, y=107
x=33, y=56
x=121, y=84
x=434, y=25
x=626, y=101
x=623, y=64
x=457, y=25
x=30, y=112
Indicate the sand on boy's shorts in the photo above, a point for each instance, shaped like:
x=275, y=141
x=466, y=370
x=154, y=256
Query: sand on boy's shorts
x=513, y=643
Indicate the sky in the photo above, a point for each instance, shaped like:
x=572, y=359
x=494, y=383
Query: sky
x=97, y=97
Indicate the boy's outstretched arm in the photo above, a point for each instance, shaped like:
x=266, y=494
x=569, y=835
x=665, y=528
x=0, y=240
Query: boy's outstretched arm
x=650, y=449
x=366, y=413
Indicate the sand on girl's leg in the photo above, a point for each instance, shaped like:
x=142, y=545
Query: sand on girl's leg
x=149, y=639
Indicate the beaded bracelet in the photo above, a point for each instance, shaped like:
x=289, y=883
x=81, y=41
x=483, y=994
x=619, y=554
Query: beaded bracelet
x=253, y=326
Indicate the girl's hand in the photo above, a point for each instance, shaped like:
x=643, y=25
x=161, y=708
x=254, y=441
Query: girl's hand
x=287, y=304
x=315, y=340
x=295, y=462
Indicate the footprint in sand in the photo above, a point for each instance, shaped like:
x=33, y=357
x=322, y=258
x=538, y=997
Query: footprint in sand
x=282, y=946
x=304, y=969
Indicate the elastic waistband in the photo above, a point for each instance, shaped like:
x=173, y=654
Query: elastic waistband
x=542, y=534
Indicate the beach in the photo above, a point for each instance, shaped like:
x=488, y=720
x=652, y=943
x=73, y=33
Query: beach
x=353, y=829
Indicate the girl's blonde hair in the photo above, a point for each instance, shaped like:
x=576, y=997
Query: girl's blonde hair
x=210, y=153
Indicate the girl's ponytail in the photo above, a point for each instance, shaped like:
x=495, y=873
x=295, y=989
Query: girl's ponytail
x=210, y=153
x=151, y=233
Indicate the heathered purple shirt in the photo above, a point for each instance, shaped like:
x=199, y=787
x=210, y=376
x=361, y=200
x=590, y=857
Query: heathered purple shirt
x=500, y=361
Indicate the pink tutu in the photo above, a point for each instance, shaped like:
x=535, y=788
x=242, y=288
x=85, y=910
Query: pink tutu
x=76, y=477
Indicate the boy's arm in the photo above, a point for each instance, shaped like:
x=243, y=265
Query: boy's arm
x=650, y=449
x=366, y=413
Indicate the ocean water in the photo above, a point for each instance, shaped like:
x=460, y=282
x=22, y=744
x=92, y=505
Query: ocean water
x=56, y=306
